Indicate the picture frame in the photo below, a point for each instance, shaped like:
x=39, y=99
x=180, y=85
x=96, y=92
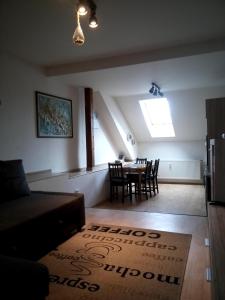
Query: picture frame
x=54, y=116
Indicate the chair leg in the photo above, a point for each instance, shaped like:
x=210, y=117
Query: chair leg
x=153, y=186
x=117, y=192
x=123, y=193
x=149, y=187
x=111, y=193
x=145, y=190
x=135, y=188
x=157, y=186
x=130, y=191
x=126, y=192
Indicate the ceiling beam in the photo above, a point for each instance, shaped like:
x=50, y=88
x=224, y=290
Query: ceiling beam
x=206, y=46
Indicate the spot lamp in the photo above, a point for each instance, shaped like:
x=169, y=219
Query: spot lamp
x=155, y=90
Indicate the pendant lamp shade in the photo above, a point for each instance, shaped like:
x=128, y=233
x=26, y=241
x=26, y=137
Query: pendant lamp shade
x=78, y=36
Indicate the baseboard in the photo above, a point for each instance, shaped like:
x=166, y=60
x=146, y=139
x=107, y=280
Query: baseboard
x=180, y=180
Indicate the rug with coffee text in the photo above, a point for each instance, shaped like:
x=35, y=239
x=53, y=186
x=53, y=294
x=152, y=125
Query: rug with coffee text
x=111, y=262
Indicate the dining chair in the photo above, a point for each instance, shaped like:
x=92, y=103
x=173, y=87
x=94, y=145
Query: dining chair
x=154, y=177
x=147, y=179
x=141, y=182
x=141, y=160
x=118, y=179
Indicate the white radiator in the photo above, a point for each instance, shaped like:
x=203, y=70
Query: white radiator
x=180, y=171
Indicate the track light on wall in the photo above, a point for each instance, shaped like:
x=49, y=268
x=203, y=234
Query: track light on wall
x=84, y=7
x=155, y=90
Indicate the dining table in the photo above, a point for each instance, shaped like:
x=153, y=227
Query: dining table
x=133, y=167
x=136, y=170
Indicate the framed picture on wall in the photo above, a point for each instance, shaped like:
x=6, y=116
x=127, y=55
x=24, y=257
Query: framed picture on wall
x=54, y=116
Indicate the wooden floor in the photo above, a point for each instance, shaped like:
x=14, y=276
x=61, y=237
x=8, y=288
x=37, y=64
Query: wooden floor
x=195, y=286
x=185, y=199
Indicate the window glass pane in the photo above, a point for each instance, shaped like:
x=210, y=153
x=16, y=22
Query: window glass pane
x=157, y=116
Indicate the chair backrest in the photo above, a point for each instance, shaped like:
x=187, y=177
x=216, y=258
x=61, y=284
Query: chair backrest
x=141, y=160
x=156, y=167
x=115, y=170
x=148, y=170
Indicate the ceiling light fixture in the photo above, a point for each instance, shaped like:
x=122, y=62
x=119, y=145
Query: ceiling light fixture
x=78, y=36
x=83, y=7
x=155, y=90
x=93, y=23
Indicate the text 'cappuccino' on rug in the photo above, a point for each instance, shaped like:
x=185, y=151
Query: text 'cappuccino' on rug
x=112, y=262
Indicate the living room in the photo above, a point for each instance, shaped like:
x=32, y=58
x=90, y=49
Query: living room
x=28, y=46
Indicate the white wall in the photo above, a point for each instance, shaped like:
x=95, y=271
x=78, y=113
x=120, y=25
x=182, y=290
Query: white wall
x=190, y=150
x=179, y=161
x=187, y=171
x=107, y=124
x=18, y=83
x=103, y=150
x=94, y=185
x=122, y=126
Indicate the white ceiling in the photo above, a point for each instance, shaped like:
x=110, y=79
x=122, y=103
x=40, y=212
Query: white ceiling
x=171, y=74
x=178, y=44
x=41, y=31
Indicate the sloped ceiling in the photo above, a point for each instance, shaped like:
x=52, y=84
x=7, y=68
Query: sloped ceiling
x=178, y=44
x=187, y=112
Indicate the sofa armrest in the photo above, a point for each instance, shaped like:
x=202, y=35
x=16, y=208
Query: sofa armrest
x=80, y=212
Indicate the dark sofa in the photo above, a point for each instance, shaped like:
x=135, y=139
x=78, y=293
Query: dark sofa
x=23, y=279
x=32, y=224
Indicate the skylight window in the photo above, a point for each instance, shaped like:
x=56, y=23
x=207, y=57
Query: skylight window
x=157, y=117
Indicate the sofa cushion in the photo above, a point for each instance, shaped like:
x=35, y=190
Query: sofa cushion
x=13, y=182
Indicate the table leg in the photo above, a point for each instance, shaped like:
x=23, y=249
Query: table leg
x=139, y=185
